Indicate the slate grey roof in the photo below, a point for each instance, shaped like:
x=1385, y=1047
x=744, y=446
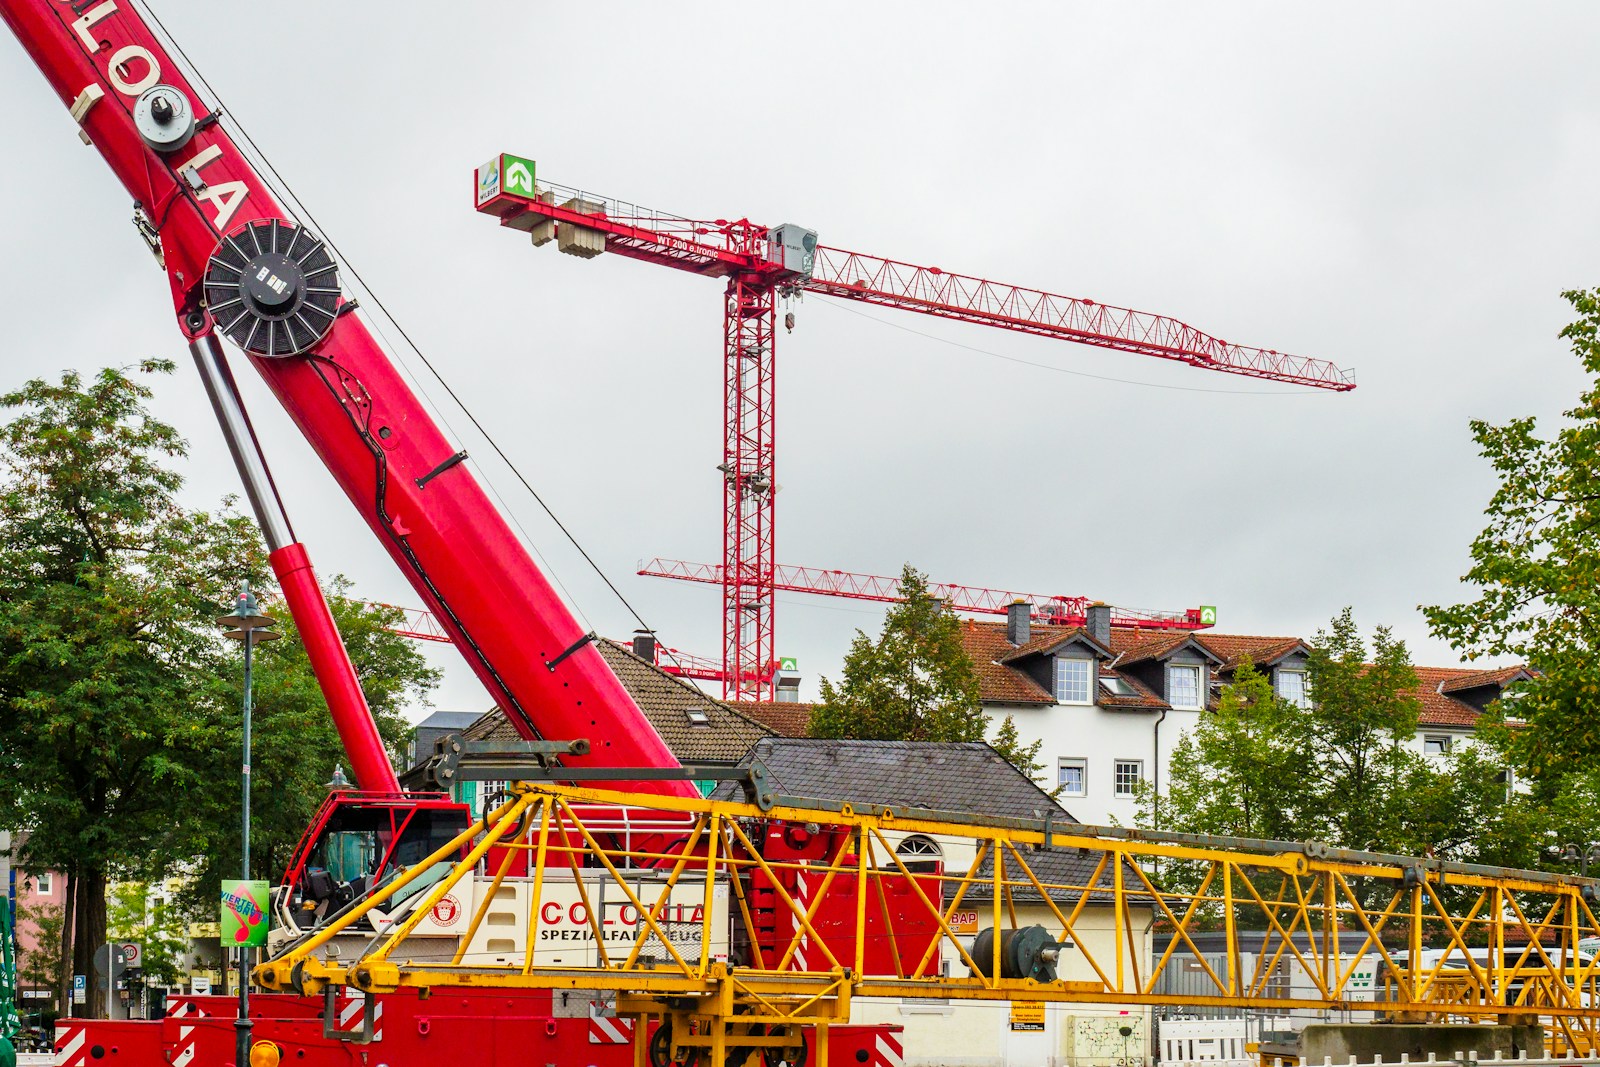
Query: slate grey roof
x=966, y=776
x=666, y=701
x=1058, y=867
x=448, y=720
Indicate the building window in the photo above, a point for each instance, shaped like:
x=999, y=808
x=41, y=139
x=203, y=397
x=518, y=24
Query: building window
x=1128, y=774
x=1072, y=776
x=1118, y=687
x=43, y=884
x=1436, y=745
x=920, y=853
x=1292, y=687
x=1183, y=687
x=1073, y=680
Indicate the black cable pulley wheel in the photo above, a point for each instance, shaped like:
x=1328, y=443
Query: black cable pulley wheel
x=272, y=287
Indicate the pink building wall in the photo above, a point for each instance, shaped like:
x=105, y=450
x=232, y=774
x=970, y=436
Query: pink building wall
x=29, y=895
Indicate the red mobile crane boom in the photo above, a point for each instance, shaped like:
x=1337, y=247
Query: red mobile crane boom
x=239, y=264
x=762, y=263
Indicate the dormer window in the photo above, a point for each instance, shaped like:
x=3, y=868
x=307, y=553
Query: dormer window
x=1183, y=686
x=1292, y=688
x=1073, y=680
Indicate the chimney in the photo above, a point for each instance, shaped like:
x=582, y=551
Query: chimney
x=1099, y=623
x=644, y=645
x=1018, y=612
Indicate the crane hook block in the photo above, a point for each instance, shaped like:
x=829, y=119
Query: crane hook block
x=273, y=288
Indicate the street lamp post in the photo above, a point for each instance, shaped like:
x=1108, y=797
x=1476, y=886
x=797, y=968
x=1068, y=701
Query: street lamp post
x=1585, y=855
x=249, y=625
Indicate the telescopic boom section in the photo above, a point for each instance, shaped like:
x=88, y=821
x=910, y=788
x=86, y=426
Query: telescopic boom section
x=198, y=197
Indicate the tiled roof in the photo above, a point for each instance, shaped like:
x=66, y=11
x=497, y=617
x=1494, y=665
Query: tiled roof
x=1141, y=697
x=985, y=643
x=784, y=718
x=1058, y=867
x=447, y=720
x=1159, y=646
x=1052, y=638
x=1232, y=649
x=1001, y=683
x=957, y=776
x=1440, y=709
x=1478, y=679
x=665, y=701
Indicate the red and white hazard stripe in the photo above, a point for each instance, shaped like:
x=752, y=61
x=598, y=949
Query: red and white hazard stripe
x=184, y=1008
x=887, y=1051
x=70, y=1039
x=608, y=1029
x=802, y=891
x=183, y=1054
x=352, y=1018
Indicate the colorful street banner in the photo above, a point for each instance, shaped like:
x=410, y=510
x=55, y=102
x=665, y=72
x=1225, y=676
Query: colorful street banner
x=244, y=913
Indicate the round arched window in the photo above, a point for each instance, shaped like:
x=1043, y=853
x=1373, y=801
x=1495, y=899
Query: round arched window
x=920, y=853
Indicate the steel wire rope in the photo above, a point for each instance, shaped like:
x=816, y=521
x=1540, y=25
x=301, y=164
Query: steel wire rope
x=293, y=201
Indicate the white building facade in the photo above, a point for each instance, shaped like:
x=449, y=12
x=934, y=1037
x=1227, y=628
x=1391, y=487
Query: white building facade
x=1110, y=703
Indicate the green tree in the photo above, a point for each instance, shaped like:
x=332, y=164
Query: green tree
x=119, y=700
x=150, y=921
x=1361, y=717
x=1342, y=770
x=1536, y=571
x=1242, y=771
x=914, y=683
x=107, y=657
x=294, y=745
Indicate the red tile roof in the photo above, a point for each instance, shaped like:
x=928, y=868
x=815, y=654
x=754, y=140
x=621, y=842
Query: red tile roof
x=1232, y=649
x=985, y=643
x=1477, y=679
x=1158, y=647
x=1048, y=641
x=1001, y=683
x=785, y=718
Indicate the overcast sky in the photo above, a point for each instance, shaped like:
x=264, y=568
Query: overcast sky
x=1395, y=188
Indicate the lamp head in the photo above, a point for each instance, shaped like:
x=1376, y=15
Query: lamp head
x=247, y=616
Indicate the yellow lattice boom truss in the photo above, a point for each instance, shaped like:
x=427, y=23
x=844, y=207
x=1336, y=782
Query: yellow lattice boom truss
x=1435, y=939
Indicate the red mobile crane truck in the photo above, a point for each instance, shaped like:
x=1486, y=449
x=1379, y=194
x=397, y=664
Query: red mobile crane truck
x=238, y=264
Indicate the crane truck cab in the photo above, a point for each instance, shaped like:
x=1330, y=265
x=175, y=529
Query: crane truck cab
x=356, y=842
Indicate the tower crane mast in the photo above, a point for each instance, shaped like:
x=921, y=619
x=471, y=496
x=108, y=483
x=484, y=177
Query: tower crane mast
x=762, y=263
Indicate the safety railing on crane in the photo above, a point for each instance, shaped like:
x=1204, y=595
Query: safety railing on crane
x=765, y=913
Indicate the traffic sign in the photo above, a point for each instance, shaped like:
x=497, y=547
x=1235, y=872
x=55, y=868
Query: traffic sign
x=80, y=989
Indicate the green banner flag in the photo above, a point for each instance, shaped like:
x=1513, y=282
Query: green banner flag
x=244, y=913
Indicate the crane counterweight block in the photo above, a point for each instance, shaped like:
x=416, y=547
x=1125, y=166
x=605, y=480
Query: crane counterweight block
x=273, y=288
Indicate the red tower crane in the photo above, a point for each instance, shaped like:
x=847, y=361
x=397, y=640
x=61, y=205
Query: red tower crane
x=762, y=263
x=1048, y=609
